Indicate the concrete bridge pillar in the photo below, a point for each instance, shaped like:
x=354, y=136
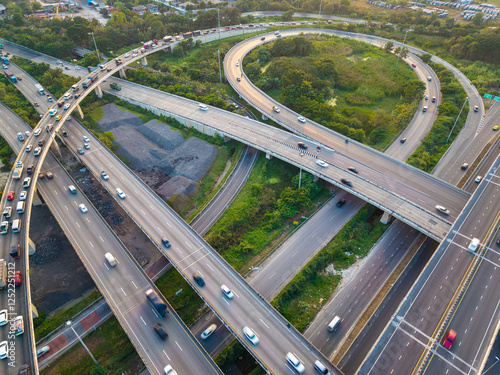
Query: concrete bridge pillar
x=316, y=179
x=264, y=117
x=55, y=146
x=386, y=217
x=31, y=247
x=98, y=91
x=80, y=112
x=269, y=156
x=144, y=61
x=37, y=199
x=122, y=73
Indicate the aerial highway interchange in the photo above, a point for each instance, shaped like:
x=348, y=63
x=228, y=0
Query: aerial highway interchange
x=211, y=109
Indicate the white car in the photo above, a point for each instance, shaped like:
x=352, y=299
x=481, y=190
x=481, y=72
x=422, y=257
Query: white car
x=478, y=179
x=37, y=132
x=5, y=67
x=250, y=335
x=3, y=317
x=442, y=209
x=169, y=370
x=120, y=193
x=86, y=139
x=208, y=332
x=87, y=146
x=237, y=64
x=59, y=62
x=4, y=349
x=22, y=196
x=227, y=292
x=42, y=351
x=126, y=55
x=104, y=176
x=66, y=106
x=321, y=163
x=27, y=133
x=77, y=68
x=294, y=361
x=302, y=120
x=83, y=208
x=28, y=148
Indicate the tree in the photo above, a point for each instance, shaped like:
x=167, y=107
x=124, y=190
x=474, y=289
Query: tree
x=426, y=58
x=478, y=19
x=288, y=15
x=389, y=46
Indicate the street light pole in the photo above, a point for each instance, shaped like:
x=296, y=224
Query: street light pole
x=489, y=368
x=451, y=131
x=218, y=21
x=320, y=5
x=95, y=44
x=69, y=324
x=220, y=73
x=300, y=173
x=401, y=51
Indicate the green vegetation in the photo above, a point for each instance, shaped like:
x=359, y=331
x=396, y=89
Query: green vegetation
x=111, y=348
x=235, y=354
x=263, y=212
x=46, y=324
x=187, y=303
x=434, y=145
x=346, y=85
x=11, y=97
x=312, y=287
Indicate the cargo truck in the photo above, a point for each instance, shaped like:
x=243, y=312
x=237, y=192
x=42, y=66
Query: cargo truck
x=85, y=85
x=18, y=171
x=5, y=60
x=18, y=325
x=115, y=86
x=11, y=77
x=40, y=89
x=157, y=303
x=3, y=274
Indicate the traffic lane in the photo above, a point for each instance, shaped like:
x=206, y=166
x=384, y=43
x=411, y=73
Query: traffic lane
x=128, y=287
x=216, y=207
x=354, y=295
x=290, y=257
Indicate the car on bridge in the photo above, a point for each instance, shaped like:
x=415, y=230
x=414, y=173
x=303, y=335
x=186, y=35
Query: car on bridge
x=449, y=339
x=276, y=109
x=302, y=120
x=294, y=361
x=208, y=332
x=442, y=209
x=346, y=182
x=10, y=195
x=321, y=163
x=250, y=335
x=169, y=370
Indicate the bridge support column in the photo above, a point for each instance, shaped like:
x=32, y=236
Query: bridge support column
x=98, y=91
x=226, y=138
x=34, y=311
x=386, y=217
x=264, y=118
x=315, y=179
x=80, y=112
x=55, y=145
x=31, y=247
x=37, y=200
x=269, y=156
x=144, y=61
x=122, y=73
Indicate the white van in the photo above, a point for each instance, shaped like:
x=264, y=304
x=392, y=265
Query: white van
x=111, y=259
x=203, y=107
x=473, y=245
x=20, y=207
x=334, y=324
x=120, y=193
x=16, y=226
x=67, y=96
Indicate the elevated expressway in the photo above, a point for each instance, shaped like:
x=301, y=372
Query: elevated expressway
x=122, y=286
x=261, y=135
x=189, y=253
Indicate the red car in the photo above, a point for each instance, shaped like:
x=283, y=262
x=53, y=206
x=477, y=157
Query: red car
x=17, y=278
x=10, y=196
x=449, y=339
x=413, y=65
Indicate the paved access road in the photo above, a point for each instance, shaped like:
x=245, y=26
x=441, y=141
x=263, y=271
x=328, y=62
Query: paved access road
x=124, y=285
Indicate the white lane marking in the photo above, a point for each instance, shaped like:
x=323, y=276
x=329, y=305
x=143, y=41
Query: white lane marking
x=87, y=220
x=166, y=355
x=77, y=224
x=143, y=321
x=66, y=207
x=101, y=238
x=179, y=346
x=264, y=323
x=134, y=284
x=187, y=244
x=91, y=244
x=123, y=291
x=210, y=267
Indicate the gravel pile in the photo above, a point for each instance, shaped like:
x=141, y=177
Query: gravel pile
x=47, y=250
x=159, y=153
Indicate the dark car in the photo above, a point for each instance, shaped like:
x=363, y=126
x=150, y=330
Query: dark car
x=341, y=202
x=24, y=370
x=41, y=142
x=403, y=140
x=64, y=133
x=160, y=331
x=238, y=79
x=199, y=280
x=15, y=251
x=498, y=241
x=263, y=38
x=346, y=182
x=29, y=170
x=352, y=169
x=35, y=104
x=49, y=175
x=464, y=166
x=59, y=104
x=302, y=145
x=166, y=242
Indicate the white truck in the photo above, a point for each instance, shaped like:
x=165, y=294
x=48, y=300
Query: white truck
x=18, y=171
x=40, y=89
x=3, y=274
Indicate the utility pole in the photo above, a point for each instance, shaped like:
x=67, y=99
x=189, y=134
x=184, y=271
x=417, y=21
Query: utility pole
x=70, y=325
x=401, y=50
x=300, y=173
x=218, y=23
x=95, y=44
x=320, y=5
x=461, y=109
x=220, y=73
